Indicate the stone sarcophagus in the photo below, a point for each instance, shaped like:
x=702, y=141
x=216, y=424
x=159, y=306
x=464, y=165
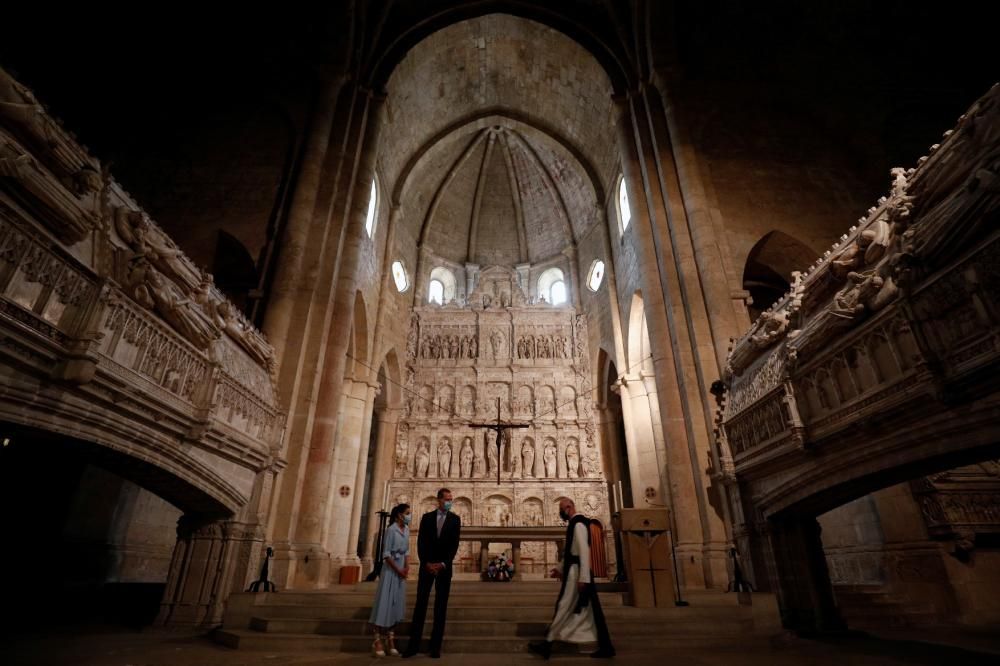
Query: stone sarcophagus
x=882, y=358
x=110, y=335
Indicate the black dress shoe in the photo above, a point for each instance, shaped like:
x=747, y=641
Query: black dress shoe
x=435, y=655
x=408, y=654
x=602, y=654
x=542, y=648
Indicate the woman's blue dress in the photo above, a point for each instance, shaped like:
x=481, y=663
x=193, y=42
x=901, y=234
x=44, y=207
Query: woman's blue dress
x=390, y=598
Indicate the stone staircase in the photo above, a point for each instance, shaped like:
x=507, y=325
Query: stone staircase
x=482, y=618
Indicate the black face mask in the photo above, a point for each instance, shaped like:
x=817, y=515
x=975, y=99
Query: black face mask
x=563, y=515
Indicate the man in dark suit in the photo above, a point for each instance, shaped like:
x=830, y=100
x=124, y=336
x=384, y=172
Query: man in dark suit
x=437, y=544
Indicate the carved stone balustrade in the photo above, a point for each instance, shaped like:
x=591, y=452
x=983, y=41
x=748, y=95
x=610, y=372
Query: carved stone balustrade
x=110, y=335
x=881, y=363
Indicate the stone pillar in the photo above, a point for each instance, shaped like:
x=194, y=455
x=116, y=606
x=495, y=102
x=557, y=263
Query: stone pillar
x=361, y=472
x=677, y=368
x=315, y=487
x=645, y=468
x=515, y=556
x=355, y=421
x=289, y=285
x=305, y=384
x=800, y=576
x=384, y=468
x=212, y=559
x=484, y=555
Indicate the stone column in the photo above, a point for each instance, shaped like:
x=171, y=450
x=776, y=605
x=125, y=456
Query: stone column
x=354, y=422
x=515, y=556
x=384, y=469
x=360, y=474
x=674, y=365
x=484, y=555
x=289, y=285
x=799, y=574
x=212, y=559
x=646, y=468
x=315, y=487
x=705, y=299
x=304, y=384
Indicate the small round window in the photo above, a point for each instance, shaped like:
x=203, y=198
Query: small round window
x=596, y=275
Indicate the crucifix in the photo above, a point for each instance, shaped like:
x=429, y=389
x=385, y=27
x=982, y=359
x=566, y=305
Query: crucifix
x=501, y=429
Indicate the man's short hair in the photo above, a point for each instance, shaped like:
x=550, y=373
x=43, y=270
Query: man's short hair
x=442, y=492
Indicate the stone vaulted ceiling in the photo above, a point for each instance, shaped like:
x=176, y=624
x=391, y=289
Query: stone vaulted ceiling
x=498, y=140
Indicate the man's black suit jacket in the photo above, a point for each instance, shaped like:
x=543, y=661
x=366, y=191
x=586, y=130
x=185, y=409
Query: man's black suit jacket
x=432, y=548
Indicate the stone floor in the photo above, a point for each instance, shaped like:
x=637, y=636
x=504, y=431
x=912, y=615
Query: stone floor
x=117, y=647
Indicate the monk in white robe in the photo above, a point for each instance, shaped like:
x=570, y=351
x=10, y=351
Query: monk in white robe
x=578, y=617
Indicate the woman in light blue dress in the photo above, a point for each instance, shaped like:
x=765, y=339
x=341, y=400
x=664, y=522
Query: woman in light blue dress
x=390, y=597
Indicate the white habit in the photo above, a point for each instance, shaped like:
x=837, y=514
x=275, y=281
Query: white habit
x=569, y=626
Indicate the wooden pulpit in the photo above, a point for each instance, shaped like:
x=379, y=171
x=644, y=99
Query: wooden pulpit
x=646, y=544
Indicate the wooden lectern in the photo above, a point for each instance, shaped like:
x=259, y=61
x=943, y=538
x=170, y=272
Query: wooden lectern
x=646, y=543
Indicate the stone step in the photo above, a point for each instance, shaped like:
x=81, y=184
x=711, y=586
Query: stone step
x=457, y=598
x=246, y=639
x=498, y=627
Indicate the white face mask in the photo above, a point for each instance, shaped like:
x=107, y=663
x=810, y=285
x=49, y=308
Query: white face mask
x=406, y=519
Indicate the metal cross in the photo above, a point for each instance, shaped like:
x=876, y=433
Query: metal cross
x=500, y=428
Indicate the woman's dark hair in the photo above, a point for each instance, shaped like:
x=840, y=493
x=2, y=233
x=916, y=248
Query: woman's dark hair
x=397, y=511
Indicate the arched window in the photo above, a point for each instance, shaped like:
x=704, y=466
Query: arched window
x=399, y=276
x=435, y=293
x=624, y=209
x=552, y=287
x=372, y=206
x=445, y=290
x=596, y=275
x=558, y=292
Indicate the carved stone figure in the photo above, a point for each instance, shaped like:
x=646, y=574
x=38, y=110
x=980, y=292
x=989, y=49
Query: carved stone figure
x=19, y=105
x=572, y=461
x=239, y=329
x=156, y=292
x=411, y=339
x=591, y=462
x=401, y=458
x=473, y=347
x=478, y=465
x=444, y=458
x=528, y=457
x=422, y=461
x=770, y=327
x=549, y=458
x=465, y=457
x=497, y=341
x=152, y=244
x=591, y=504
